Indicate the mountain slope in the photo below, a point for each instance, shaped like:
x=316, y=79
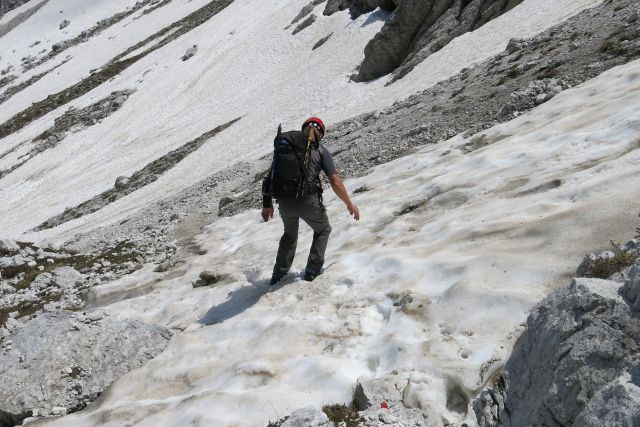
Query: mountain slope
x=455, y=245
x=162, y=105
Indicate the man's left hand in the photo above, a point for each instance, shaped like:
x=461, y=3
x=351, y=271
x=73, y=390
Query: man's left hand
x=267, y=213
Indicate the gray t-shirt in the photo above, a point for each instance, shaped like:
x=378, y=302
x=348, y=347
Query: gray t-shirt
x=321, y=160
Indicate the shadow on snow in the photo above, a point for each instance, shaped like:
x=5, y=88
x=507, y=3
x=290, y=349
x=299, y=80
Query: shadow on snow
x=244, y=298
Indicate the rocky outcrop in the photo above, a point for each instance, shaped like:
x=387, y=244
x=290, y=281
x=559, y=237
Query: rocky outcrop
x=9, y=5
x=190, y=52
x=307, y=417
x=417, y=28
x=59, y=362
x=392, y=400
x=72, y=121
x=114, y=67
x=36, y=279
x=8, y=246
x=322, y=41
x=304, y=24
x=537, y=92
x=358, y=7
x=578, y=362
x=145, y=176
x=304, y=12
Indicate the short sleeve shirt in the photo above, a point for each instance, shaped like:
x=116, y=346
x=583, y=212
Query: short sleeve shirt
x=321, y=160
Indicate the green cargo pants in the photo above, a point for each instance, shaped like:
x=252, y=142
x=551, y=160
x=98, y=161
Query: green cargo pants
x=313, y=212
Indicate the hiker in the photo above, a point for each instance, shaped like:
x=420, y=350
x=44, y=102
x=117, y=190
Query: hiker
x=294, y=181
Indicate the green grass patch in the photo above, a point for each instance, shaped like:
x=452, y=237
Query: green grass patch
x=120, y=254
x=604, y=267
x=341, y=413
x=28, y=308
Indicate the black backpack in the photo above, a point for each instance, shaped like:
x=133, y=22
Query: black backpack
x=289, y=171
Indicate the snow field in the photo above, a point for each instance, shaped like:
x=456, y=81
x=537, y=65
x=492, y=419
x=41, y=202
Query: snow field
x=248, y=66
x=498, y=228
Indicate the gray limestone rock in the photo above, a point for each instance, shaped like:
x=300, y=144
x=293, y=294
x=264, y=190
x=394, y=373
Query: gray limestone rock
x=334, y=6
x=64, y=360
x=9, y=246
x=358, y=7
x=418, y=28
x=305, y=11
x=578, y=362
x=64, y=24
x=631, y=288
x=66, y=277
x=307, y=417
x=304, y=24
x=7, y=5
x=372, y=392
x=392, y=401
x=6, y=261
x=121, y=182
x=190, y=52
x=321, y=41
x=208, y=278
x=515, y=45
x=536, y=92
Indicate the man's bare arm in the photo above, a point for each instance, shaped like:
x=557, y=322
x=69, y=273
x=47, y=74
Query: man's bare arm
x=341, y=192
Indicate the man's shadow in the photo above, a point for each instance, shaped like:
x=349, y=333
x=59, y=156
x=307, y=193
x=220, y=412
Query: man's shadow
x=243, y=298
x=247, y=296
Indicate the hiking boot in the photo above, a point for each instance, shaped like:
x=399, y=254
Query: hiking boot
x=275, y=279
x=309, y=276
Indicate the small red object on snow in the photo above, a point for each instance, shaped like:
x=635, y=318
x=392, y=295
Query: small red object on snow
x=384, y=405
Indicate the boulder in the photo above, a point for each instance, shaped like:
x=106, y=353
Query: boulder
x=190, y=52
x=64, y=24
x=208, y=278
x=307, y=417
x=6, y=261
x=577, y=362
x=89, y=355
x=392, y=400
x=66, y=277
x=321, y=41
x=373, y=392
x=9, y=246
x=121, y=182
x=515, y=45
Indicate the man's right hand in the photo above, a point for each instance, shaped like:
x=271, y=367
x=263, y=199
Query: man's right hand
x=267, y=213
x=353, y=210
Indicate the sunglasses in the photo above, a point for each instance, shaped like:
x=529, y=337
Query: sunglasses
x=317, y=126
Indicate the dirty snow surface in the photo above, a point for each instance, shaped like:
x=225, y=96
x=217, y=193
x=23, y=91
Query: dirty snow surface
x=475, y=230
x=456, y=241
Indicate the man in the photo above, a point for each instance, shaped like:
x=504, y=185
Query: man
x=294, y=180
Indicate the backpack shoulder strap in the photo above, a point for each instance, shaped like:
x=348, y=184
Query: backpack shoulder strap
x=278, y=135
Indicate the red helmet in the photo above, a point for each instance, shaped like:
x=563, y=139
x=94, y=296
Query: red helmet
x=316, y=121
